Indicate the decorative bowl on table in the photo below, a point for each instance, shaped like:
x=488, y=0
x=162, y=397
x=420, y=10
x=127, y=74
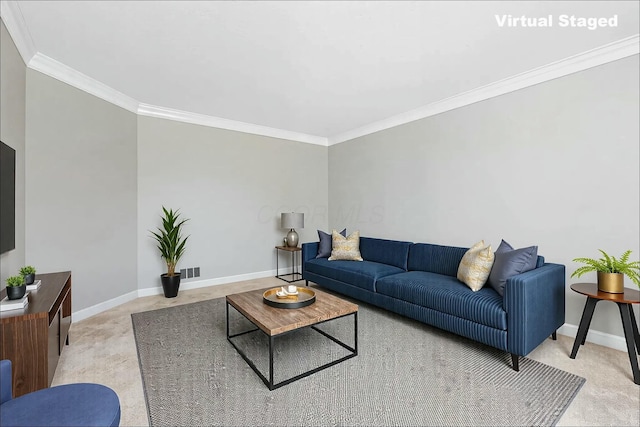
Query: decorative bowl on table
x=281, y=298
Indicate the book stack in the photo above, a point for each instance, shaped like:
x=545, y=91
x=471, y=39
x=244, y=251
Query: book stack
x=14, y=304
x=34, y=286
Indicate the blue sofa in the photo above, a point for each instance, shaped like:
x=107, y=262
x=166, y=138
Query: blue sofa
x=418, y=280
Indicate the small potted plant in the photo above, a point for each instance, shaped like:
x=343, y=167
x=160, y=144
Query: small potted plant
x=29, y=274
x=16, y=287
x=171, y=245
x=610, y=270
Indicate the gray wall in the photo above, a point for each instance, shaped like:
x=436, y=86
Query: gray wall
x=81, y=189
x=537, y=166
x=233, y=187
x=554, y=165
x=12, y=130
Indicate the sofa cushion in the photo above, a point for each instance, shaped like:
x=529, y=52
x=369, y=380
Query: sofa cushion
x=392, y=252
x=345, y=248
x=435, y=258
x=447, y=295
x=510, y=262
x=475, y=266
x=361, y=274
x=325, y=243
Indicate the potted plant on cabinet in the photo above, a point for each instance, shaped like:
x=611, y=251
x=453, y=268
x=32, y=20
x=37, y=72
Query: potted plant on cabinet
x=29, y=274
x=611, y=271
x=16, y=287
x=171, y=245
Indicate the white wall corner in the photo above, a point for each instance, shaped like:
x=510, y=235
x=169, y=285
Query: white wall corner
x=17, y=27
x=79, y=315
x=217, y=122
x=66, y=74
x=573, y=64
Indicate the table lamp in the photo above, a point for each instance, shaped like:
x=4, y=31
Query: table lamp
x=291, y=221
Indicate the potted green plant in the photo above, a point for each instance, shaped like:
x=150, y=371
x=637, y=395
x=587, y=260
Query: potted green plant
x=29, y=274
x=16, y=287
x=610, y=271
x=171, y=245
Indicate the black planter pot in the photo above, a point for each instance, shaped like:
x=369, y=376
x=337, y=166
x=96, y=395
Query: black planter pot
x=30, y=278
x=170, y=285
x=16, y=292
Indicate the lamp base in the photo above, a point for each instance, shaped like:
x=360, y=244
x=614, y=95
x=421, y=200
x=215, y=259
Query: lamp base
x=292, y=238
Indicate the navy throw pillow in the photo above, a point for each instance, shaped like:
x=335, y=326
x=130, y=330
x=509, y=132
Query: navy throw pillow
x=510, y=262
x=325, y=245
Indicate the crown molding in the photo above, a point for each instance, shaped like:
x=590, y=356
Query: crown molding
x=573, y=64
x=66, y=74
x=17, y=27
x=217, y=122
x=13, y=19
x=71, y=76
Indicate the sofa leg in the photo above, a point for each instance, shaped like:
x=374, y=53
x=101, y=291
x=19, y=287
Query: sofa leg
x=554, y=336
x=514, y=361
x=307, y=282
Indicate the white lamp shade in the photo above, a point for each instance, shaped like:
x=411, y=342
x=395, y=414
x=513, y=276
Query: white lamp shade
x=291, y=220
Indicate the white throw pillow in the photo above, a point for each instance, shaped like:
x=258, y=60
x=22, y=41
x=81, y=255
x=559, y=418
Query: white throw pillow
x=345, y=248
x=475, y=266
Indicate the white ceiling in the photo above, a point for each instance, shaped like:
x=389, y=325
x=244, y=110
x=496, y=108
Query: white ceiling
x=317, y=68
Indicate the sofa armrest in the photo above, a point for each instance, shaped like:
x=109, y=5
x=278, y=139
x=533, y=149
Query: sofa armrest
x=309, y=251
x=6, y=391
x=535, y=306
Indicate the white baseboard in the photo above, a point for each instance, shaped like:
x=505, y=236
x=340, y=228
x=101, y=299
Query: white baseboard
x=184, y=286
x=112, y=303
x=103, y=306
x=601, y=338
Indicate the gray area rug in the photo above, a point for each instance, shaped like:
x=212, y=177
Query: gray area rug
x=406, y=373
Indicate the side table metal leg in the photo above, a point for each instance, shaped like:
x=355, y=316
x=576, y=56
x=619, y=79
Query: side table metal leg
x=587, y=314
x=628, y=335
x=585, y=335
x=634, y=325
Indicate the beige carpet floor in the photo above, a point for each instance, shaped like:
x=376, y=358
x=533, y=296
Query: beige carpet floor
x=102, y=350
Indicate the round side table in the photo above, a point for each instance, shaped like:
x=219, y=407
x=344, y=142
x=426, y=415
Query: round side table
x=629, y=324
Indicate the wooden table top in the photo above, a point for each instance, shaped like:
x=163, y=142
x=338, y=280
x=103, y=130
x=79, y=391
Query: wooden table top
x=40, y=301
x=630, y=296
x=275, y=321
x=289, y=248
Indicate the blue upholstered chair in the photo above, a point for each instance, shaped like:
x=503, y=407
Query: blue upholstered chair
x=81, y=404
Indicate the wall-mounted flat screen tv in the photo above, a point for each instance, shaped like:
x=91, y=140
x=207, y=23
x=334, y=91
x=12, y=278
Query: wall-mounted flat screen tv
x=7, y=198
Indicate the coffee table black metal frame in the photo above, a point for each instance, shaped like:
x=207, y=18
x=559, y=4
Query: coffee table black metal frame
x=269, y=381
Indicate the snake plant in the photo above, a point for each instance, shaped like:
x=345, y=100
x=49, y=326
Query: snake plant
x=171, y=244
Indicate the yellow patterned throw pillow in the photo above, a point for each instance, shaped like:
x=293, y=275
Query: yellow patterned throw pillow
x=345, y=248
x=475, y=267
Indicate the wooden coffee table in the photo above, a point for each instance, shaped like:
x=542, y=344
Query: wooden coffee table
x=276, y=322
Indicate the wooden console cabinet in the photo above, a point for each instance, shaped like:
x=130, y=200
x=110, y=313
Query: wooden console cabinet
x=33, y=337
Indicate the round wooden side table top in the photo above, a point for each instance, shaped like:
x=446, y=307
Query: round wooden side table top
x=630, y=296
